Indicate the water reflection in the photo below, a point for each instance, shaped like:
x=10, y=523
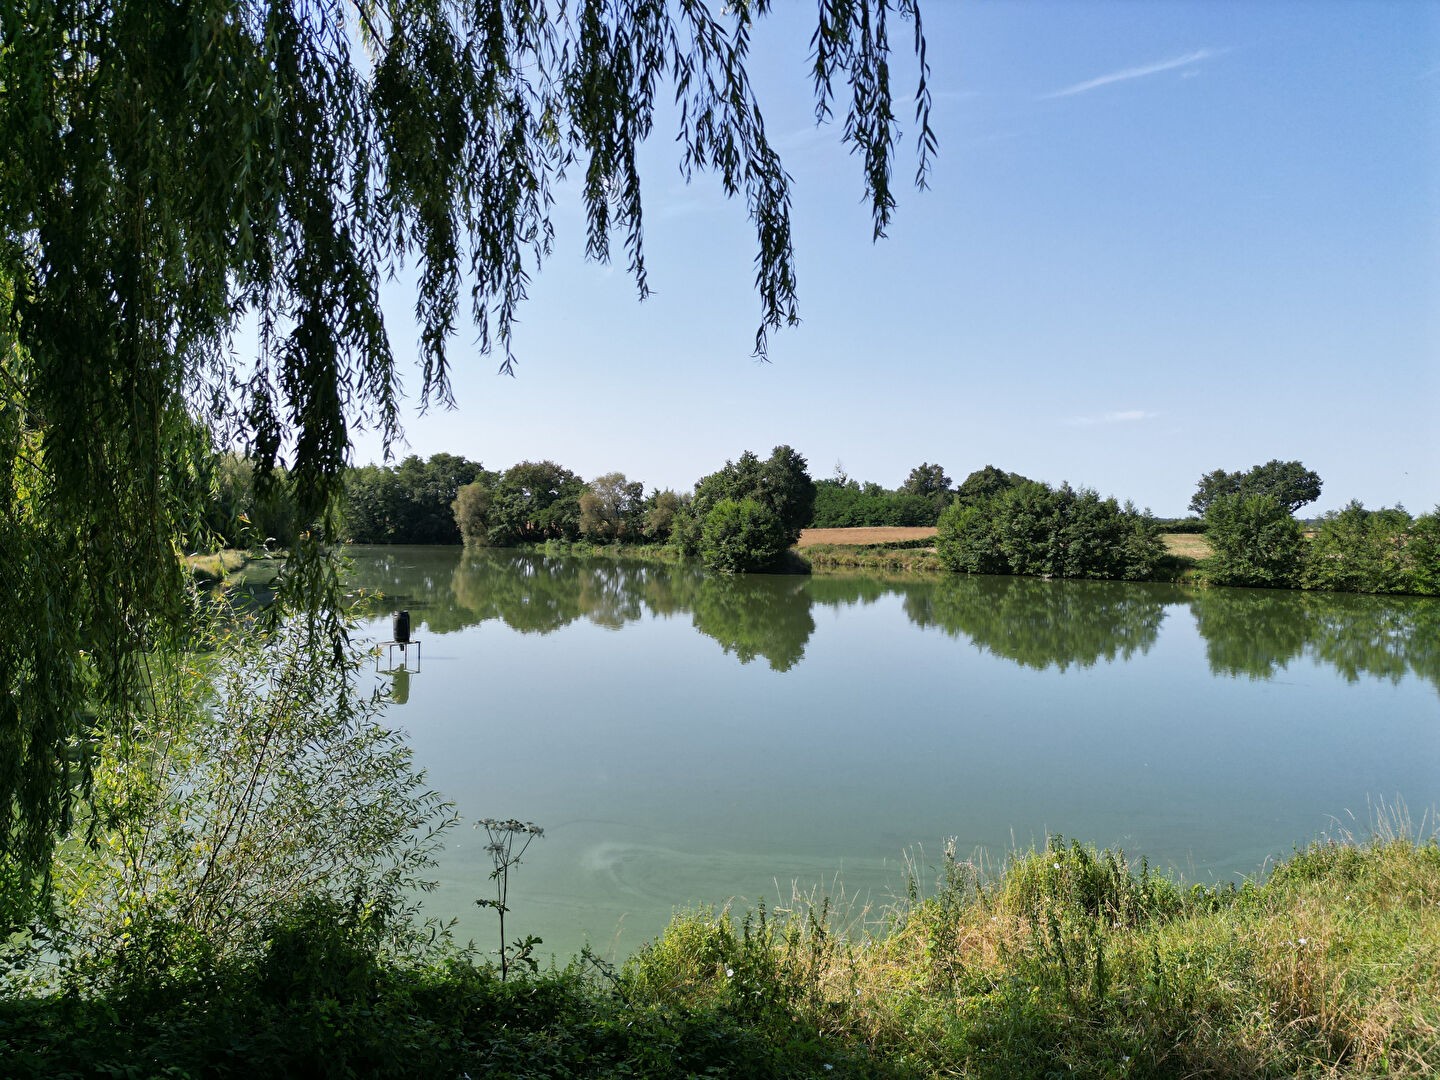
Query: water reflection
x=1248, y=632
x=1257, y=633
x=1254, y=634
x=400, y=685
x=1040, y=626
x=753, y=615
x=750, y=616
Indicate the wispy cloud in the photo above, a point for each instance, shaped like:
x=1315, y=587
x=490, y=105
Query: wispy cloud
x=683, y=208
x=806, y=137
x=1124, y=416
x=955, y=95
x=1143, y=71
x=987, y=140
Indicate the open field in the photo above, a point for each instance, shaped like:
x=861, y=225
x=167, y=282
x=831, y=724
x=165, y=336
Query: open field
x=1188, y=545
x=861, y=537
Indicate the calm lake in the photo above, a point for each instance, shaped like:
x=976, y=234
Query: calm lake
x=688, y=739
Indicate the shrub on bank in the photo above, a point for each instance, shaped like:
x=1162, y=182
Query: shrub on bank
x=1424, y=550
x=1254, y=540
x=741, y=535
x=1039, y=531
x=1373, y=551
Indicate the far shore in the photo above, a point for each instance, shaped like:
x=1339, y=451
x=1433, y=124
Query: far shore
x=902, y=548
x=912, y=550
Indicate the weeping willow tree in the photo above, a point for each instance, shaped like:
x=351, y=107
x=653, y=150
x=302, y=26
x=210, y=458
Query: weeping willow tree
x=174, y=170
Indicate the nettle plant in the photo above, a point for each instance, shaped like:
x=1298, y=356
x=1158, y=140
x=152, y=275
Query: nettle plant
x=502, y=839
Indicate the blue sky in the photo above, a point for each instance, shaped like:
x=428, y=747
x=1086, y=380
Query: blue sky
x=1160, y=238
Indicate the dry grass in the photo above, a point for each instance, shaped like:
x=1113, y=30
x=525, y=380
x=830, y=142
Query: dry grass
x=1187, y=545
x=1070, y=962
x=861, y=537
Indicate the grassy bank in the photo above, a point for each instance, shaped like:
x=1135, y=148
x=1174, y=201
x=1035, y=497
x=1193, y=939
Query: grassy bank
x=1071, y=962
x=209, y=569
x=233, y=569
x=920, y=560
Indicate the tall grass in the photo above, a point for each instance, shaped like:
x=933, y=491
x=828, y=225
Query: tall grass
x=1072, y=961
x=1063, y=961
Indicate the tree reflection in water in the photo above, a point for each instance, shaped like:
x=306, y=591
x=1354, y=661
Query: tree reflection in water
x=1043, y=624
x=1257, y=632
x=1037, y=624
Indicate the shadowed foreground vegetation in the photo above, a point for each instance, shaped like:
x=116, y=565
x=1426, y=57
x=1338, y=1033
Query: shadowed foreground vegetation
x=1070, y=962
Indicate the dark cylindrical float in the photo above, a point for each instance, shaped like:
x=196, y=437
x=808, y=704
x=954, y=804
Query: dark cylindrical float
x=402, y=627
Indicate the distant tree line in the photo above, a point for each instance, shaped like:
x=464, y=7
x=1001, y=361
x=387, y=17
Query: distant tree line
x=748, y=514
x=408, y=503
x=744, y=517
x=843, y=503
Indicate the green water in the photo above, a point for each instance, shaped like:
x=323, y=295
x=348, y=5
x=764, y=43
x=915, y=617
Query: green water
x=692, y=739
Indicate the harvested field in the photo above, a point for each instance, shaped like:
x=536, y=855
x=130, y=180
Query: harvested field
x=1190, y=545
x=859, y=537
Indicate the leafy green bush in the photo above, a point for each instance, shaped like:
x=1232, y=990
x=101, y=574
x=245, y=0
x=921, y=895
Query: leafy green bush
x=780, y=484
x=1424, y=555
x=740, y=536
x=1035, y=530
x=260, y=778
x=1254, y=541
x=1358, y=550
x=1374, y=551
x=968, y=540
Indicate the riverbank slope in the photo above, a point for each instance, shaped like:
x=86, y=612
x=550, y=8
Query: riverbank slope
x=1071, y=962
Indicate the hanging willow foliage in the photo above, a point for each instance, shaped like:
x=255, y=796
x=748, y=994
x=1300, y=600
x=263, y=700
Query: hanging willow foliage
x=173, y=169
